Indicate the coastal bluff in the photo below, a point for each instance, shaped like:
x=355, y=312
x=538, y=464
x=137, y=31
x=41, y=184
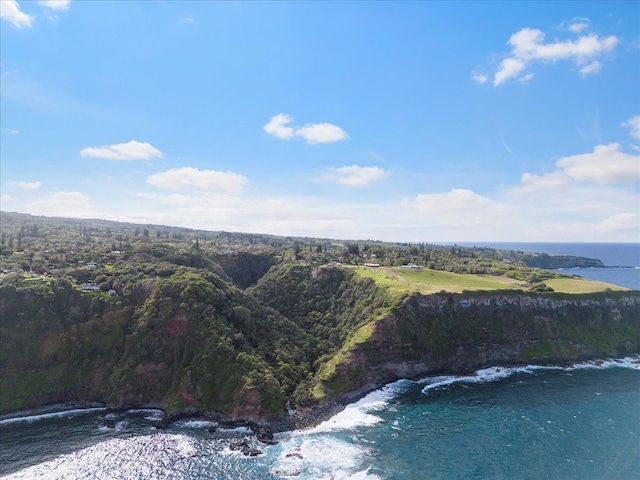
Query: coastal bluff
x=249, y=328
x=459, y=333
x=182, y=355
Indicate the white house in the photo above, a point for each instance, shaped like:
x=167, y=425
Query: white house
x=411, y=266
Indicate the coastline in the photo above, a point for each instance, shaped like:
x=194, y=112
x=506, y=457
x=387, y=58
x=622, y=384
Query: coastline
x=306, y=418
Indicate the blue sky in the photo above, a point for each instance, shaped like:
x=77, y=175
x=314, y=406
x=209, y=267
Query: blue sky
x=417, y=121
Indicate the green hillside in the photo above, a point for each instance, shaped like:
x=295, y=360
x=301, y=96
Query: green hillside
x=244, y=325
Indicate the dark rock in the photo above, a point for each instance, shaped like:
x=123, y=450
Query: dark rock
x=244, y=447
x=212, y=428
x=252, y=452
x=109, y=423
x=238, y=445
x=265, y=435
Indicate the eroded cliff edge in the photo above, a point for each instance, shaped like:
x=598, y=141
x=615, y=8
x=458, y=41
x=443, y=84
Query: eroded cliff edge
x=461, y=333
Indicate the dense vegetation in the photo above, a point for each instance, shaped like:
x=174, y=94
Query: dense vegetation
x=217, y=321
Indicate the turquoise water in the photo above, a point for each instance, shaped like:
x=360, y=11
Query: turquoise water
x=531, y=422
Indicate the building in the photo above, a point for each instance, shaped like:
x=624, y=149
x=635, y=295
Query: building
x=89, y=287
x=411, y=266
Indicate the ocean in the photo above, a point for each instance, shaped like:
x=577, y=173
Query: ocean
x=621, y=260
x=580, y=422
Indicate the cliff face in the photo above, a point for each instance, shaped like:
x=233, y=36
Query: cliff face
x=189, y=341
x=460, y=333
x=193, y=340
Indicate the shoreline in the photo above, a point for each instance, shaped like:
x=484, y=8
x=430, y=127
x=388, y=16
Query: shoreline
x=304, y=418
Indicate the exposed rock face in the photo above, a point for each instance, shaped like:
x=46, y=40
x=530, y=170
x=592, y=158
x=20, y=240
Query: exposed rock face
x=460, y=333
x=251, y=405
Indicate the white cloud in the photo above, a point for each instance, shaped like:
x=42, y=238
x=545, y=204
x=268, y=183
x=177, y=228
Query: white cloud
x=123, y=151
x=509, y=68
x=26, y=185
x=607, y=164
x=528, y=47
x=354, y=175
x=321, y=133
x=311, y=132
x=576, y=211
x=593, y=67
x=620, y=221
x=10, y=12
x=525, y=78
x=62, y=204
x=577, y=25
x=479, y=77
x=6, y=198
x=11, y=131
x=634, y=125
x=189, y=178
x=277, y=126
x=459, y=208
x=531, y=182
x=55, y=4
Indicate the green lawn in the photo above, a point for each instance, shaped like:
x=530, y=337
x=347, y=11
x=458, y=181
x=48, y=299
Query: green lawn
x=580, y=285
x=428, y=281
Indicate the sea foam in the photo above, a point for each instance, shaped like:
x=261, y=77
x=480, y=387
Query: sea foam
x=492, y=374
x=358, y=413
x=44, y=416
x=307, y=457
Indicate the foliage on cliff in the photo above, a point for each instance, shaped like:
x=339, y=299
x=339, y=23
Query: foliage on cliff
x=190, y=339
x=241, y=324
x=460, y=333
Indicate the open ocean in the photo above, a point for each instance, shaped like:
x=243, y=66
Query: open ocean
x=581, y=422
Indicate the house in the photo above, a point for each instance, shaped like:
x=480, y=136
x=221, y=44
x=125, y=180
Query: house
x=372, y=265
x=411, y=266
x=89, y=287
x=92, y=265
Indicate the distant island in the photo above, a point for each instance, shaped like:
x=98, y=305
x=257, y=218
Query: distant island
x=245, y=327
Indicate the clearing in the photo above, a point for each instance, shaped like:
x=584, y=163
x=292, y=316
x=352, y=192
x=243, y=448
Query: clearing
x=427, y=281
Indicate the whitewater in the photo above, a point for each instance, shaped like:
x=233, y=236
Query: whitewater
x=536, y=422
x=580, y=421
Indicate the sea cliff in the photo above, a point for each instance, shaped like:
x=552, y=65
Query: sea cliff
x=248, y=328
x=446, y=333
x=203, y=347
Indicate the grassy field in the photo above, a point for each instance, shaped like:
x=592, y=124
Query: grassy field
x=428, y=281
x=580, y=285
